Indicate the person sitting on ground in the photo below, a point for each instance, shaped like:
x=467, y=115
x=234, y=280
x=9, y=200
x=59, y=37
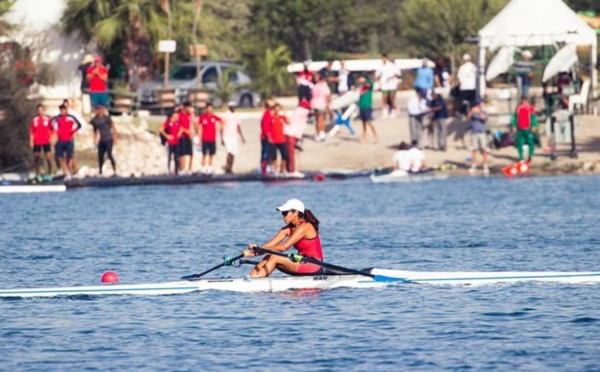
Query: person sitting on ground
x=417, y=158
x=301, y=231
x=365, y=106
x=525, y=123
x=478, y=119
x=230, y=129
x=105, y=136
x=402, y=158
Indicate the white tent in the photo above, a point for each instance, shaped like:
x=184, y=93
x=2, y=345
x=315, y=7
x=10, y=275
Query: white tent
x=524, y=23
x=38, y=25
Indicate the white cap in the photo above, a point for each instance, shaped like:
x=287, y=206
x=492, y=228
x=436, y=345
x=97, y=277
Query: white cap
x=232, y=104
x=527, y=54
x=466, y=57
x=292, y=204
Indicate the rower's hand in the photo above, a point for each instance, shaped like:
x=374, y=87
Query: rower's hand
x=250, y=252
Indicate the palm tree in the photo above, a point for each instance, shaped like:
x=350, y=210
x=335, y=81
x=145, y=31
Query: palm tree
x=271, y=73
x=132, y=26
x=225, y=88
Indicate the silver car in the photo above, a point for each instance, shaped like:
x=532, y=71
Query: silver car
x=183, y=77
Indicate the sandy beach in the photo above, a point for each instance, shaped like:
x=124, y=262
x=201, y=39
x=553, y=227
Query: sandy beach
x=139, y=151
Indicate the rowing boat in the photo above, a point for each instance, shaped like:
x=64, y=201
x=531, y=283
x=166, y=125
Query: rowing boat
x=28, y=189
x=381, y=278
x=403, y=176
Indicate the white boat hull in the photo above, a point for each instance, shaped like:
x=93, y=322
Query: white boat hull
x=28, y=189
x=402, y=176
x=478, y=278
x=278, y=284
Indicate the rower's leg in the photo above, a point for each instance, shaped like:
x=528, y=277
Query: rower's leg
x=265, y=267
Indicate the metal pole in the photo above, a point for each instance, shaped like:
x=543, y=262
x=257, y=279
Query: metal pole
x=552, y=131
x=573, y=146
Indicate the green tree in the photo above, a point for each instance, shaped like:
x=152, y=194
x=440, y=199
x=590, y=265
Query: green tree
x=132, y=26
x=5, y=6
x=435, y=28
x=225, y=87
x=271, y=76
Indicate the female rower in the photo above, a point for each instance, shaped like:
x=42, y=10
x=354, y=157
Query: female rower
x=301, y=232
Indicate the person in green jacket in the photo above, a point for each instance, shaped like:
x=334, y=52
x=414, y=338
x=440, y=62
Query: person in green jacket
x=365, y=106
x=525, y=122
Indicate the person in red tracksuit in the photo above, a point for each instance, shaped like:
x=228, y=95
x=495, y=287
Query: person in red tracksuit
x=207, y=131
x=171, y=130
x=41, y=132
x=266, y=126
x=65, y=126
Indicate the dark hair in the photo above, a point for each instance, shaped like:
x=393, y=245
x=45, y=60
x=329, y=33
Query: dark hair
x=309, y=217
x=62, y=107
x=208, y=104
x=170, y=113
x=65, y=102
x=384, y=55
x=404, y=146
x=187, y=104
x=40, y=105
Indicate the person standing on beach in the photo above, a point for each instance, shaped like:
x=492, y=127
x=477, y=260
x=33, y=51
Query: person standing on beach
x=439, y=123
x=65, y=126
x=294, y=132
x=442, y=77
x=266, y=127
x=365, y=107
x=478, y=119
x=97, y=75
x=278, y=140
x=524, y=122
x=207, y=129
x=416, y=106
x=304, y=81
x=389, y=77
x=467, y=80
x=41, y=133
x=424, y=79
x=186, y=151
x=321, y=95
x=105, y=136
x=524, y=72
x=171, y=131
x=230, y=129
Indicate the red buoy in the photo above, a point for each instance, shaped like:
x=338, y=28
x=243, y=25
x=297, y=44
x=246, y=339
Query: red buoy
x=319, y=177
x=110, y=277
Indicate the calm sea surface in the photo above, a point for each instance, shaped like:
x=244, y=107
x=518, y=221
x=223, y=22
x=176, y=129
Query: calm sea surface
x=153, y=234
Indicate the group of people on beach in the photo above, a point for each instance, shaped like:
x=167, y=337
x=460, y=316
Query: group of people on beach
x=59, y=132
x=181, y=131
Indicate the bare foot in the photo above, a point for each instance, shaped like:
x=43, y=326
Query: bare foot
x=375, y=141
x=363, y=140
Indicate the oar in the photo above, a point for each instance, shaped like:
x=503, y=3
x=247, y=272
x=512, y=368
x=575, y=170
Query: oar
x=227, y=261
x=299, y=258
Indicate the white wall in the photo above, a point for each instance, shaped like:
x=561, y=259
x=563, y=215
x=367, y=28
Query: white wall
x=38, y=26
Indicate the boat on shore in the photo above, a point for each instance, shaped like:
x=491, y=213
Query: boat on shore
x=404, y=176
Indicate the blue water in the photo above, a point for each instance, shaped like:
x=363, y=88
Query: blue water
x=153, y=234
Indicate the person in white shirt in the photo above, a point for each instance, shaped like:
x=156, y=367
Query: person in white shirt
x=467, y=79
x=402, y=158
x=417, y=158
x=230, y=129
x=416, y=108
x=389, y=77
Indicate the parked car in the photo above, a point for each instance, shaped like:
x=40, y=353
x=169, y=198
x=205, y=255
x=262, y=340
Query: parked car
x=183, y=78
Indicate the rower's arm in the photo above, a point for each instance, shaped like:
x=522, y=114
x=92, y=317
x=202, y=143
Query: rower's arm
x=278, y=238
x=300, y=232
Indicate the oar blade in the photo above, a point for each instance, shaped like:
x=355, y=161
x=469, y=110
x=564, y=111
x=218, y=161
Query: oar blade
x=389, y=279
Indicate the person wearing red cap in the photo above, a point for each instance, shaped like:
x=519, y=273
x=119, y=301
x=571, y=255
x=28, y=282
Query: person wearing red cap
x=301, y=231
x=97, y=75
x=41, y=132
x=293, y=133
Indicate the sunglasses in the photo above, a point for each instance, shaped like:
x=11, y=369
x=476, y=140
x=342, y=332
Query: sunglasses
x=285, y=213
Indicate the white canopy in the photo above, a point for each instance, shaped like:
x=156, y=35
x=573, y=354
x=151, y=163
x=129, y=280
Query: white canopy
x=534, y=23
x=525, y=23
